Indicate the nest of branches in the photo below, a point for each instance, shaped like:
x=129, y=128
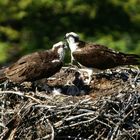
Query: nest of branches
x=109, y=108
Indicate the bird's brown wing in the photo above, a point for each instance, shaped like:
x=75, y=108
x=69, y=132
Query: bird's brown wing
x=2, y=75
x=23, y=68
x=101, y=57
x=32, y=67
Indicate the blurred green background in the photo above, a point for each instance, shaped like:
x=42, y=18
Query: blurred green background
x=31, y=25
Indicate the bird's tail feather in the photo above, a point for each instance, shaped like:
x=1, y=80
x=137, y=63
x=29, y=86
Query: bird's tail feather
x=131, y=59
x=2, y=75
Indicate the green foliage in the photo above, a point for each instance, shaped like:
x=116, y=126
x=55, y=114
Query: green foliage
x=38, y=24
x=3, y=51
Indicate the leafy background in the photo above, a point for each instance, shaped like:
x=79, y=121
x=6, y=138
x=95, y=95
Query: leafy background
x=31, y=25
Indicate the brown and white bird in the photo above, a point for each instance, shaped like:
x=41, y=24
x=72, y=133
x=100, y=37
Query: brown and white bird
x=36, y=65
x=97, y=56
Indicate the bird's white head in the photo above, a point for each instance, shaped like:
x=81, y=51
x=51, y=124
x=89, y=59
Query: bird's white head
x=72, y=39
x=60, y=49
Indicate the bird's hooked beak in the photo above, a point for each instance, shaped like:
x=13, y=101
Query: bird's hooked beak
x=65, y=46
x=65, y=37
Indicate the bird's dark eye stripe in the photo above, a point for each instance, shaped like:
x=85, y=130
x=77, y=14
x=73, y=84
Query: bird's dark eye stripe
x=75, y=37
x=71, y=36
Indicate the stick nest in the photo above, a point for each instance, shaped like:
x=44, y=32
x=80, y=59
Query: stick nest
x=66, y=108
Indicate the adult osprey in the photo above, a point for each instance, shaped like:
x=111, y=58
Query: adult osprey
x=97, y=56
x=36, y=65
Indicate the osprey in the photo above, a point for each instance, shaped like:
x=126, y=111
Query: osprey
x=97, y=56
x=36, y=65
